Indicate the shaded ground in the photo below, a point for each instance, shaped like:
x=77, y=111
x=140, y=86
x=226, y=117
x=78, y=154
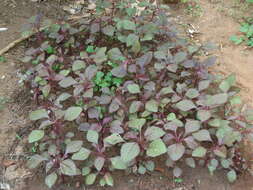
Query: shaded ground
x=215, y=25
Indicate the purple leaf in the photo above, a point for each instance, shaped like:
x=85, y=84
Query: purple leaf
x=145, y=59
x=119, y=71
x=84, y=127
x=93, y=113
x=114, y=106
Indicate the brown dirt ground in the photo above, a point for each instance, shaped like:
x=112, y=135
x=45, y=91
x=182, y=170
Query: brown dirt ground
x=214, y=25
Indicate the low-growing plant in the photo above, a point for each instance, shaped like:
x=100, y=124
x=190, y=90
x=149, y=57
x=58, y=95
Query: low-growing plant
x=121, y=89
x=2, y=59
x=3, y=101
x=246, y=36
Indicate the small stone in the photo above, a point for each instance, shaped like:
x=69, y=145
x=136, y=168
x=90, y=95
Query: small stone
x=11, y=172
x=14, y=172
x=3, y=29
x=91, y=6
x=5, y=186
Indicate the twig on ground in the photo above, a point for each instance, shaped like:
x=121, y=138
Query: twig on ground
x=23, y=38
x=14, y=43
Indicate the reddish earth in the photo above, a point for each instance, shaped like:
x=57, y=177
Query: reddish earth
x=214, y=25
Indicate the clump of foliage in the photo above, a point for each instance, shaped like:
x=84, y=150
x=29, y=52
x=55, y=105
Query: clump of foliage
x=246, y=36
x=121, y=89
x=3, y=101
x=2, y=59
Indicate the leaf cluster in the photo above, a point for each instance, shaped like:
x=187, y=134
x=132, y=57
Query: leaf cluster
x=121, y=89
x=246, y=36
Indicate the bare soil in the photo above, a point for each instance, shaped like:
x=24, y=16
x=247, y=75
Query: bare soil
x=214, y=25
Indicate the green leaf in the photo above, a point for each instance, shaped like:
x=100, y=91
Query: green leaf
x=100, y=55
x=115, y=54
x=38, y=114
x=204, y=84
x=160, y=55
x=126, y=25
x=46, y=90
x=129, y=151
x=64, y=72
x=148, y=37
x=86, y=171
x=133, y=88
x=92, y=136
x=108, y=179
x=225, y=163
x=51, y=59
x=137, y=123
x=153, y=133
x=131, y=39
x=67, y=82
x=217, y=99
x=113, y=139
x=212, y=166
x=235, y=100
x=199, y=152
x=245, y=26
x=203, y=115
x=35, y=160
x=221, y=152
x=2, y=59
x=152, y=106
x=171, y=117
x=231, y=175
x=156, y=148
x=51, y=179
x=150, y=165
x=118, y=163
x=72, y=113
x=90, y=49
x=190, y=162
x=73, y=146
x=237, y=40
x=180, y=57
x=99, y=163
x=64, y=96
x=176, y=151
x=102, y=182
x=90, y=179
x=77, y=65
x=202, y=135
x=191, y=126
x=35, y=136
x=136, y=47
x=142, y=170
x=192, y=93
x=68, y=167
x=185, y=105
x=108, y=30
x=166, y=90
x=82, y=154
x=135, y=106
x=227, y=83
